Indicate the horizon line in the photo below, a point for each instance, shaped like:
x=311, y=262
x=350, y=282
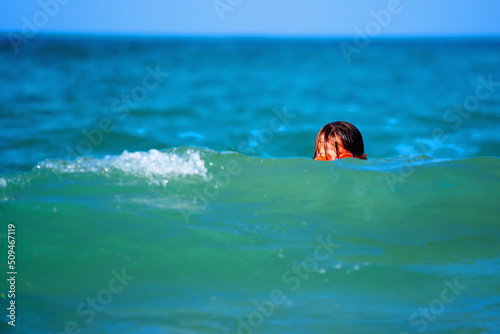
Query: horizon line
x=250, y=35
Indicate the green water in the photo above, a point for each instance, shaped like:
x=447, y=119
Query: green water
x=203, y=249
x=196, y=207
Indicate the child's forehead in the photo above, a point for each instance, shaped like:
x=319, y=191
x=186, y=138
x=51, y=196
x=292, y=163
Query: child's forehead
x=329, y=146
x=330, y=139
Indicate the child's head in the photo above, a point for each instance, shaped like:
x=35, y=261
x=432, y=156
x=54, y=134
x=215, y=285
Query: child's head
x=339, y=140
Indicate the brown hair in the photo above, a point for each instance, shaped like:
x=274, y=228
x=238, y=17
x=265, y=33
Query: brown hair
x=349, y=136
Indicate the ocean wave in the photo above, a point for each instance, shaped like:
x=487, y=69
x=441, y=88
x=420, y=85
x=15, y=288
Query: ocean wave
x=154, y=165
x=202, y=165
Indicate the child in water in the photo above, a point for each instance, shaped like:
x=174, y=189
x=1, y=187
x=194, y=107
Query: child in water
x=339, y=140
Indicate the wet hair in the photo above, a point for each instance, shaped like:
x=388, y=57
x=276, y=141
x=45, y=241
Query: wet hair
x=349, y=136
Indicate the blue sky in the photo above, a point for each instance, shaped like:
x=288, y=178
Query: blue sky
x=255, y=17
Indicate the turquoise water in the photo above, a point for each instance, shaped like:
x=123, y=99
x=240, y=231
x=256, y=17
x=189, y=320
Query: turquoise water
x=187, y=202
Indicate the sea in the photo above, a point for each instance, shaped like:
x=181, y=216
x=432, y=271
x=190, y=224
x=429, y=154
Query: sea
x=166, y=185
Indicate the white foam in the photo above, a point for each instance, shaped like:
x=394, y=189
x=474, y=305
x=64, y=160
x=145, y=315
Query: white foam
x=3, y=185
x=153, y=165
